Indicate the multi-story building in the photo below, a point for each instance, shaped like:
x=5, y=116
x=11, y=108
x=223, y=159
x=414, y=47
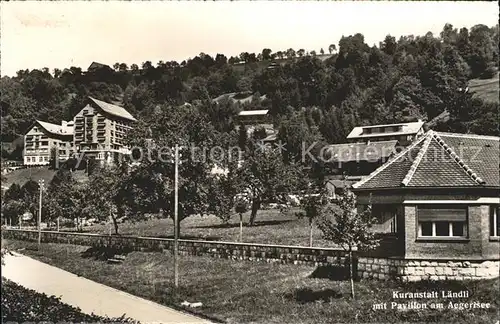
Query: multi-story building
x=100, y=128
x=43, y=137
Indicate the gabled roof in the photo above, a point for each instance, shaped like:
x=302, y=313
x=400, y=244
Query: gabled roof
x=441, y=160
x=373, y=151
x=113, y=109
x=64, y=129
x=96, y=65
x=406, y=129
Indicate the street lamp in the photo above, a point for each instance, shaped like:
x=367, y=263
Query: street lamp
x=40, y=187
x=176, y=218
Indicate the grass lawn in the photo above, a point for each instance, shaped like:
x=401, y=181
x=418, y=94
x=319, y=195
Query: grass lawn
x=272, y=227
x=247, y=292
x=486, y=89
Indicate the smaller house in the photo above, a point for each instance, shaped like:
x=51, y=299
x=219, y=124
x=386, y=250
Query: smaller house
x=404, y=133
x=94, y=66
x=437, y=204
x=254, y=117
x=42, y=137
x=358, y=159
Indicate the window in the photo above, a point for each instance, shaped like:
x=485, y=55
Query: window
x=45, y=158
x=495, y=221
x=28, y=159
x=386, y=215
x=442, y=221
x=44, y=143
x=40, y=159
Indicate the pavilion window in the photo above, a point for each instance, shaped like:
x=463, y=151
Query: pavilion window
x=442, y=221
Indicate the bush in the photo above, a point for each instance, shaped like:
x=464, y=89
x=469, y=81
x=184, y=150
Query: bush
x=20, y=304
x=489, y=73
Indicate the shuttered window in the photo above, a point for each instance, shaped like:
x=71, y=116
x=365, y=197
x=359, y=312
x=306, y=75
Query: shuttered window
x=442, y=214
x=442, y=221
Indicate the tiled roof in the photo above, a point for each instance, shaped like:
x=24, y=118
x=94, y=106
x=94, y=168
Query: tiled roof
x=113, y=109
x=441, y=160
x=373, y=151
x=56, y=129
x=406, y=129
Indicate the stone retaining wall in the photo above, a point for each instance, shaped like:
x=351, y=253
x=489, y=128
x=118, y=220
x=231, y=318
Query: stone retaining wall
x=415, y=270
x=227, y=250
x=370, y=267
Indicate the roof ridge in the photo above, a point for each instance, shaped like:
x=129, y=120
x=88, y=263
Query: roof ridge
x=468, y=135
x=458, y=159
x=418, y=159
x=384, y=166
x=41, y=121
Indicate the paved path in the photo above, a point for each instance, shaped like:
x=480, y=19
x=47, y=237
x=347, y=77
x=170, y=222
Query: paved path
x=89, y=296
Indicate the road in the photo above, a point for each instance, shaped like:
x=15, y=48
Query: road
x=89, y=296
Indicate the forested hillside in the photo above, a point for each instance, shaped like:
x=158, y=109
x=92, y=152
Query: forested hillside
x=400, y=80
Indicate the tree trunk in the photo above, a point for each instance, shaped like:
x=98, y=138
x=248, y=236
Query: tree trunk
x=177, y=228
x=241, y=227
x=310, y=232
x=255, y=209
x=115, y=224
x=58, y=224
x=351, y=270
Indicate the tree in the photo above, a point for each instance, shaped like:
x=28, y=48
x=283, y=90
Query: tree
x=11, y=211
x=290, y=53
x=123, y=67
x=102, y=195
x=259, y=133
x=313, y=203
x=241, y=206
x=322, y=51
x=150, y=186
x=266, y=54
x=342, y=224
x=267, y=178
x=64, y=198
x=54, y=158
x=301, y=52
x=29, y=196
x=332, y=48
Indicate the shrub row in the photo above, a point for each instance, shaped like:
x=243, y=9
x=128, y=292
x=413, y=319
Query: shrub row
x=20, y=304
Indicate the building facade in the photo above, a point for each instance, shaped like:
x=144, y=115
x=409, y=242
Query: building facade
x=100, y=129
x=44, y=137
x=404, y=133
x=437, y=204
x=369, y=147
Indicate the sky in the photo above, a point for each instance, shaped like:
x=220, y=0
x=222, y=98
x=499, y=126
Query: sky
x=64, y=34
